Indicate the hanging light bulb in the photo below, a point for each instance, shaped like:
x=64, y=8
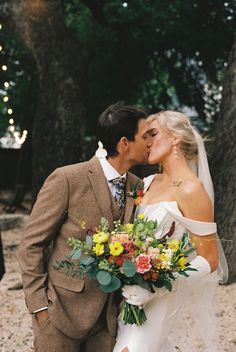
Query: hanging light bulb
x=6, y=84
x=11, y=121
x=4, y=67
x=9, y=111
x=5, y=99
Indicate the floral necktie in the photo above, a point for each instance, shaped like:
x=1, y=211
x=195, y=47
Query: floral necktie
x=119, y=196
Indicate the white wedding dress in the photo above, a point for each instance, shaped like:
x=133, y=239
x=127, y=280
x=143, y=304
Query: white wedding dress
x=162, y=311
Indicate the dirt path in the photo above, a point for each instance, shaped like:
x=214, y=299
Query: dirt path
x=15, y=325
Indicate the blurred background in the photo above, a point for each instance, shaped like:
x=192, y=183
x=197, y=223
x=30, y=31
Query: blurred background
x=62, y=62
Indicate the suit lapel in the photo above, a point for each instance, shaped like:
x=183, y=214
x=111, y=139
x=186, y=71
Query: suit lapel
x=129, y=201
x=101, y=190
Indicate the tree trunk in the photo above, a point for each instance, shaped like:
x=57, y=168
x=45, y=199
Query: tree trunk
x=60, y=116
x=223, y=164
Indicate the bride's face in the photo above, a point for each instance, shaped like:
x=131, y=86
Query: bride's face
x=162, y=143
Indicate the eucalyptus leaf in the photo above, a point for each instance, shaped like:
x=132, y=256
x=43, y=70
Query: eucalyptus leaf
x=113, y=286
x=75, y=254
x=87, y=260
x=128, y=268
x=104, y=278
x=89, y=242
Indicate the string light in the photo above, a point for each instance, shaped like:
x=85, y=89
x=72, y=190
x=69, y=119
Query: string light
x=20, y=140
x=13, y=137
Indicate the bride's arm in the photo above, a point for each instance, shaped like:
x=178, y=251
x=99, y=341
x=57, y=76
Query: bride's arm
x=195, y=204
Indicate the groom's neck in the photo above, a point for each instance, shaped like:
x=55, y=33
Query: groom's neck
x=121, y=165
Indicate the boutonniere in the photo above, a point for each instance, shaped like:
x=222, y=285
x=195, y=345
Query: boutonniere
x=137, y=194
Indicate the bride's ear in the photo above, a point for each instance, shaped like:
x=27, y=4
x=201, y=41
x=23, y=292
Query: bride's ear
x=175, y=140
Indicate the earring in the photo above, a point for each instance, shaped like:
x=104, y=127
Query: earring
x=175, y=151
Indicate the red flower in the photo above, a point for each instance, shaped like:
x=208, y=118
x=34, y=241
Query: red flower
x=119, y=261
x=110, y=259
x=140, y=193
x=154, y=276
x=147, y=275
x=130, y=247
x=143, y=263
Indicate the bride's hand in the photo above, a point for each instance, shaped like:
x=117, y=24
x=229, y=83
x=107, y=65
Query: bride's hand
x=137, y=295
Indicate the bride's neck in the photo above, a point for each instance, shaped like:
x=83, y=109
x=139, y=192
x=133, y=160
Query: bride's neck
x=176, y=169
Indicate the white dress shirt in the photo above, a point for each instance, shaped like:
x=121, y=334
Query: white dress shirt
x=110, y=173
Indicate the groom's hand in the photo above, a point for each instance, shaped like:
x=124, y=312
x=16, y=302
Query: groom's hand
x=41, y=316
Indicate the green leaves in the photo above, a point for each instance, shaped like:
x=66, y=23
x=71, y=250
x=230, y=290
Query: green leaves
x=108, y=283
x=114, y=285
x=104, y=278
x=75, y=254
x=128, y=268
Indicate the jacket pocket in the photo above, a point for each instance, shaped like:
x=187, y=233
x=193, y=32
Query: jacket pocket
x=69, y=283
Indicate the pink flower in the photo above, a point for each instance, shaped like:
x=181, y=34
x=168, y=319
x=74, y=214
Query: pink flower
x=153, y=252
x=120, y=237
x=143, y=263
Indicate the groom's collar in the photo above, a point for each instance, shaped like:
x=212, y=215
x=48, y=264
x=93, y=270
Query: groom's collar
x=109, y=171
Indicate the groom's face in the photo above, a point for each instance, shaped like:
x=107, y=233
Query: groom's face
x=139, y=148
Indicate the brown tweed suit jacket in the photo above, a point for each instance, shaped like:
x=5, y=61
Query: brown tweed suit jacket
x=70, y=194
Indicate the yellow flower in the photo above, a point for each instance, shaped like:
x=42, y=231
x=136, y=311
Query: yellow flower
x=100, y=237
x=82, y=224
x=98, y=249
x=128, y=227
x=141, y=216
x=116, y=248
x=174, y=245
x=182, y=262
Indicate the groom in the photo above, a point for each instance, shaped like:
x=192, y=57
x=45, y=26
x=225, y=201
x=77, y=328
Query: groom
x=69, y=313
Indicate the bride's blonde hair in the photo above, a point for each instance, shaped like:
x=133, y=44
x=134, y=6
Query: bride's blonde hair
x=179, y=126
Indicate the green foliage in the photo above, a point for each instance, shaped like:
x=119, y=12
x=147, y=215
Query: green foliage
x=128, y=268
x=157, y=54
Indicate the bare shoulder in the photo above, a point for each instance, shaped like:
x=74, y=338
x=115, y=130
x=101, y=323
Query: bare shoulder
x=194, y=201
x=192, y=188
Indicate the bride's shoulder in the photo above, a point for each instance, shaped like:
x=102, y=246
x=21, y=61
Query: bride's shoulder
x=192, y=186
x=194, y=200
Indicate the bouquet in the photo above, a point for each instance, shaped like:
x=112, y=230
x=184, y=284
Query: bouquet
x=130, y=254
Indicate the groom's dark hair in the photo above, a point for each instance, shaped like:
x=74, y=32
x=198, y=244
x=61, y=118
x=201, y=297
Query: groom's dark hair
x=117, y=121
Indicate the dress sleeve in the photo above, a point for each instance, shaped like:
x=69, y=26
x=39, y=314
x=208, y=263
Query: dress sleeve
x=147, y=181
x=196, y=227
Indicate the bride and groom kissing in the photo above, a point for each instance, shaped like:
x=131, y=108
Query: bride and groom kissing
x=72, y=314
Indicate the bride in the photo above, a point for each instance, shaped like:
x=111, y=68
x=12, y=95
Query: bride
x=177, y=194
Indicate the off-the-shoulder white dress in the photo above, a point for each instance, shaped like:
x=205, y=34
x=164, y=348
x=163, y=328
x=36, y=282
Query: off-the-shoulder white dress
x=162, y=311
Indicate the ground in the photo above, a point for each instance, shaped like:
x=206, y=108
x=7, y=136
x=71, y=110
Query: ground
x=15, y=325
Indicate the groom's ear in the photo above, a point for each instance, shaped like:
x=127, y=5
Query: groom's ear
x=123, y=144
